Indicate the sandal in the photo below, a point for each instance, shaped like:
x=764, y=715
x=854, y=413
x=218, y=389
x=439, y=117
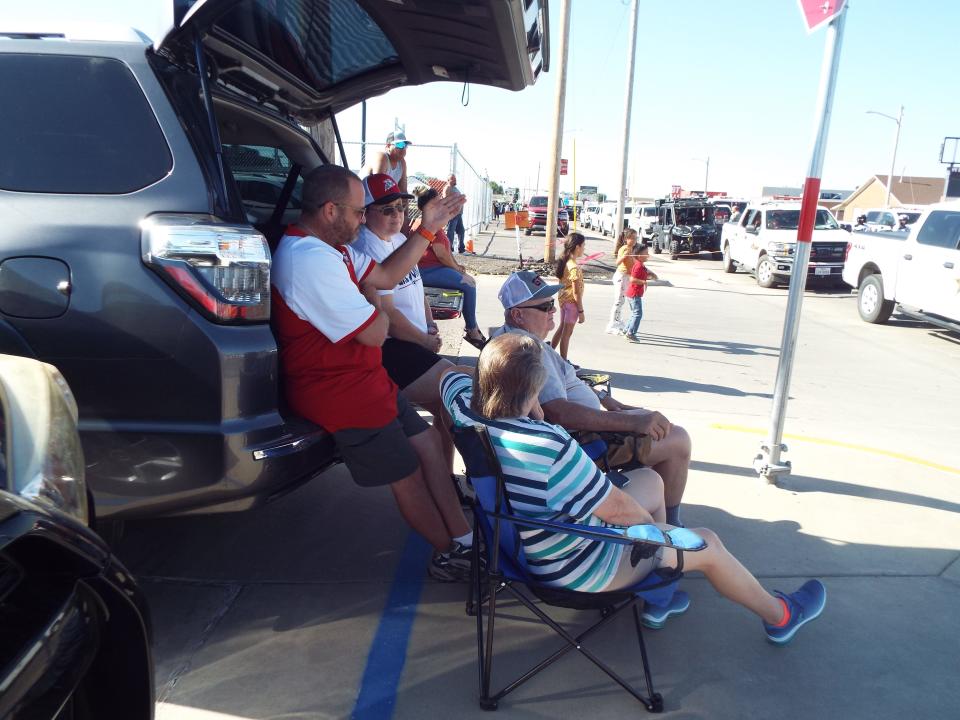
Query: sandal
x=478, y=343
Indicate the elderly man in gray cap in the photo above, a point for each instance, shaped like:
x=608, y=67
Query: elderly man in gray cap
x=529, y=308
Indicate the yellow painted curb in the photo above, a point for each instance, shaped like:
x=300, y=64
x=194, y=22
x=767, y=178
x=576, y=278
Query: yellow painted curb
x=838, y=443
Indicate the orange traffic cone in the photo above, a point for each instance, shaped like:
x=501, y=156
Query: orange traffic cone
x=469, y=244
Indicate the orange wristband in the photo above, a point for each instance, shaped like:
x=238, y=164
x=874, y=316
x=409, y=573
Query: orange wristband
x=426, y=233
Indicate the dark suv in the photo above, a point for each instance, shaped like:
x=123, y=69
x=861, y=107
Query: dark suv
x=685, y=227
x=139, y=194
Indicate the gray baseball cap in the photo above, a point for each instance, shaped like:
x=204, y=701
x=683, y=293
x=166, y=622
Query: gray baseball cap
x=525, y=285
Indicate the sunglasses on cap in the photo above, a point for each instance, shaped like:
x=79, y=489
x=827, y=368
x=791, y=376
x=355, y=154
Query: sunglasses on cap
x=549, y=306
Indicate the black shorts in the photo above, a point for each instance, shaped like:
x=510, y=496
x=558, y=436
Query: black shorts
x=406, y=361
x=381, y=456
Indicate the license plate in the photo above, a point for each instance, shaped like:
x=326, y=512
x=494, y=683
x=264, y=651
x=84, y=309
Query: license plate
x=821, y=271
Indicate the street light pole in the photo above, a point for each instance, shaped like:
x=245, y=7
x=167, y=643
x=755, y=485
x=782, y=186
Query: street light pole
x=706, y=178
x=628, y=105
x=893, y=162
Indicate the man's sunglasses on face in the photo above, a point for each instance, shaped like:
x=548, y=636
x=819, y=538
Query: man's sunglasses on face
x=390, y=210
x=549, y=306
x=359, y=212
x=400, y=145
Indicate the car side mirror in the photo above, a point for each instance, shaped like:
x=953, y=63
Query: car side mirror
x=752, y=230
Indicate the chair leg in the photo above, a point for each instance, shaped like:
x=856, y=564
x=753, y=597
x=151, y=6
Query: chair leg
x=655, y=703
x=486, y=657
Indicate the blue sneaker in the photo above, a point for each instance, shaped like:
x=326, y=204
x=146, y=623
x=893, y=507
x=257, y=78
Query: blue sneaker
x=805, y=604
x=655, y=616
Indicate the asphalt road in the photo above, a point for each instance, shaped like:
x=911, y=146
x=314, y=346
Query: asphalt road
x=316, y=605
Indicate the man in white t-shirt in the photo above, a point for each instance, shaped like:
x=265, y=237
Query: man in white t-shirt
x=410, y=352
x=327, y=317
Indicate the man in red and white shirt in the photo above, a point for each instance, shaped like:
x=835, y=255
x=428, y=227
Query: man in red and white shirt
x=327, y=317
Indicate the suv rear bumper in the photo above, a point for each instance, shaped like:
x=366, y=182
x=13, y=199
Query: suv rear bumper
x=138, y=470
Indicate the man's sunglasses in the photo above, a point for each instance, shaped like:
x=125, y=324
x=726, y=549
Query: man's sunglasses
x=549, y=306
x=389, y=210
x=400, y=145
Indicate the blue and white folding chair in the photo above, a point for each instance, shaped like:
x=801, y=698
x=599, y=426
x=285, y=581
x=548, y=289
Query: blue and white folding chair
x=505, y=570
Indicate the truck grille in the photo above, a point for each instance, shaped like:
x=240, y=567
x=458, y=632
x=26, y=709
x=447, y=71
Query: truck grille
x=825, y=252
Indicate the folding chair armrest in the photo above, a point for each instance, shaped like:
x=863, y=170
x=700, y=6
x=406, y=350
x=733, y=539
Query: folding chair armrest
x=603, y=534
x=677, y=538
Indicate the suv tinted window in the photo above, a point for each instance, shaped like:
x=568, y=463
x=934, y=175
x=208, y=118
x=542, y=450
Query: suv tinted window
x=942, y=229
x=260, y=172
x=77, y=125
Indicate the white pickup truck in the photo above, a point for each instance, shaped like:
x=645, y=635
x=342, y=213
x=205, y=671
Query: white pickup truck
x=764, y=239
x=917, y=270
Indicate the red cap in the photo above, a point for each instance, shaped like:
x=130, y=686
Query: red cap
x=381, y=188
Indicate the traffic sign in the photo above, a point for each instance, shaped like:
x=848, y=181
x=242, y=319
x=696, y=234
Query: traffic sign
x=819, y=12
x=563, y=166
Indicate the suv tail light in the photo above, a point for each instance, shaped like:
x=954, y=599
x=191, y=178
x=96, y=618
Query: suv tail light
x=222, y=269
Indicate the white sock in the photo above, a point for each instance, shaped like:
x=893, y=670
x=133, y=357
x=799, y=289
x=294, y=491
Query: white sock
x=465, y=540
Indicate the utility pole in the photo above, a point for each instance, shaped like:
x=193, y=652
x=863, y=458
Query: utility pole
x=628, y=106
x=553, y=197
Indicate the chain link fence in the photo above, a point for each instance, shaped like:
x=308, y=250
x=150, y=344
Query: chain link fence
x=432, y=165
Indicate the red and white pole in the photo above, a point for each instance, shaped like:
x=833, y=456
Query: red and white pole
x=768, y=462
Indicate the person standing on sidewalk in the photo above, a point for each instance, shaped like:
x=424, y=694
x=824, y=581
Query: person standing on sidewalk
x=393, y=160
x=636, y=286
x=624, y=252
x=455, y=226
x=571, y=294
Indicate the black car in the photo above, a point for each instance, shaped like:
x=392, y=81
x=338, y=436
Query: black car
x=74, y=626
x=686, y=226
x=135, y=256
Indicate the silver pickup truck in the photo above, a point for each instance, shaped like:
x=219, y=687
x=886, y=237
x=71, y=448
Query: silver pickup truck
x=917, y=270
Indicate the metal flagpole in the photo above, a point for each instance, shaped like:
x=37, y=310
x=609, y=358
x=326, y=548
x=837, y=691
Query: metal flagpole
x=768, y=462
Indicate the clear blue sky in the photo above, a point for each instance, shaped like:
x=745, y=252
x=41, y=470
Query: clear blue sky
x=735, y=81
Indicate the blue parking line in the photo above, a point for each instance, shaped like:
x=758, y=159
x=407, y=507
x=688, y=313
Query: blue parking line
x=377, y=696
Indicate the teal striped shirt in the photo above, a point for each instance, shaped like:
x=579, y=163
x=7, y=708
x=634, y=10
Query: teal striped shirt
x=548, y=476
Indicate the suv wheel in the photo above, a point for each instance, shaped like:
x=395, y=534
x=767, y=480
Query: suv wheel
x=728, y=266
x=674, y=249
x=765, y=276
x=870, y=302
